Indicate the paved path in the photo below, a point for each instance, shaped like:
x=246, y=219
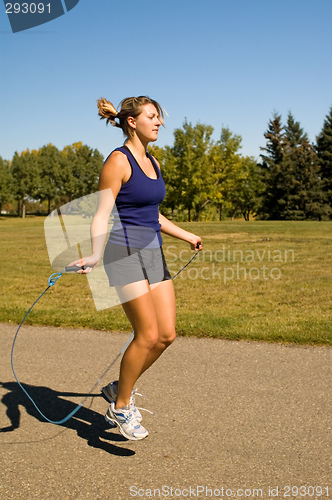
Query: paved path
x=229, y=416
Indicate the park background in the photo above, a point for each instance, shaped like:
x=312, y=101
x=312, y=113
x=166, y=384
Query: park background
x=236, y=413
x=246, y=88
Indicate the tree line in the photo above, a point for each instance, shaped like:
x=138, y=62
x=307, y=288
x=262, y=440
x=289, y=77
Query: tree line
x=49, y=176
x=205, y=179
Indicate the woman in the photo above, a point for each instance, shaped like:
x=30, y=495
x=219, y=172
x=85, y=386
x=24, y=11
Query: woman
x=133, y=256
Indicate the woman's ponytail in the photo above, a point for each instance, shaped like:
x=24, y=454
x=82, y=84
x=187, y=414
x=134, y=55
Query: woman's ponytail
x=107, y=111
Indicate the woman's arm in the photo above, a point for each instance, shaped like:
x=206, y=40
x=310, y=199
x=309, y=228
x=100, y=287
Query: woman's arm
x=110, y=181
x=171, y=229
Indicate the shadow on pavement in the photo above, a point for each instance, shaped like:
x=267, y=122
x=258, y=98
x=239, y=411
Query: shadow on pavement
x=88, y=424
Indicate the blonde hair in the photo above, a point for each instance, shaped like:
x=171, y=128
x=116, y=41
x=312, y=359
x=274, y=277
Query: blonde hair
x=130, y=106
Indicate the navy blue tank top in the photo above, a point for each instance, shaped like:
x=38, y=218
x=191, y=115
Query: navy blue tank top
x=136, y=211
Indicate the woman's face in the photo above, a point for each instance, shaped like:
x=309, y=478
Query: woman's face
x=147, y=123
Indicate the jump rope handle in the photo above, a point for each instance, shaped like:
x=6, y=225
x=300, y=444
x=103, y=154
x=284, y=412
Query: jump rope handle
x=74, y=269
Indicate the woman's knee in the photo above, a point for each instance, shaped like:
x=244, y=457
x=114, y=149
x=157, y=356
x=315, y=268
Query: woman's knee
x=147, y=339
x=167, y=337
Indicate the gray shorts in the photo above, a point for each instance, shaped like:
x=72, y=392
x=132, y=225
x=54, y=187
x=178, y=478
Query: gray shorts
x=124, y=265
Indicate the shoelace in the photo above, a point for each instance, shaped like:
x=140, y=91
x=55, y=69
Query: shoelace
x=128, y=416
x=132, y=400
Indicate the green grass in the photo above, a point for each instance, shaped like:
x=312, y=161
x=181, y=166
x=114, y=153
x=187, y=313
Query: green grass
x=294, y=307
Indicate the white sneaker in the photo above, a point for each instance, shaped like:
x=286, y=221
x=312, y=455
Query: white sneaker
x=127, y=423
x=110, y=393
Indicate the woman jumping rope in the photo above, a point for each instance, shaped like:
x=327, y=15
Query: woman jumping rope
x=131, y=187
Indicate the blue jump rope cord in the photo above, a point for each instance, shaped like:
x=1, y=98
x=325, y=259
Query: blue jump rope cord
x=51, y=281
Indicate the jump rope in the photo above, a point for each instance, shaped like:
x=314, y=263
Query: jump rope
x=51, y=281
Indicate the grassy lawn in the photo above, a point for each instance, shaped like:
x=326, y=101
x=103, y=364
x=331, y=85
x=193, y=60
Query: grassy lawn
x=254, y=280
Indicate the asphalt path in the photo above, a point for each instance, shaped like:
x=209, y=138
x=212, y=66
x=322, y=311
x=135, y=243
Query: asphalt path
x=233, y=420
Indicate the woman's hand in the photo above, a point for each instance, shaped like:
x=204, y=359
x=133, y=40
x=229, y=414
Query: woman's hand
x=91, y=262
x=195, y=242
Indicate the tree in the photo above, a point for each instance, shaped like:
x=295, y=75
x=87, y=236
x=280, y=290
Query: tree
x=293, y=189
x=294, y=133
x=191, y=168
x=198, y=172
x=304, y=197
x=227, y=170
x=80, y=174
x=6, y=183
x=245, y=198
x=324, y=151
x=26, y=175
x=169, y=172
x=51, y=164
x=272, y=168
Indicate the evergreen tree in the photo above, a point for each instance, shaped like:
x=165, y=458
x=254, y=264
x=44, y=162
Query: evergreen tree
x=272, y=169
x=304, y=198
x=294, y=133
x=293, y=189
x=275, y=136
x=324, y=151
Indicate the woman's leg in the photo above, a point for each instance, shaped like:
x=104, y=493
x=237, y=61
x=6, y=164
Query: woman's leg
x=152, y=316
x=141, y=314
x=164, y=304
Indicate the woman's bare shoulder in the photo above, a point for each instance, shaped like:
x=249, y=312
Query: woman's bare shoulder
x=116, y=167
x=117, y=162
x=116, y=158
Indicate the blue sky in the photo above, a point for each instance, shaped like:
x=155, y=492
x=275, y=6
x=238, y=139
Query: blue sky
x=221, y=62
